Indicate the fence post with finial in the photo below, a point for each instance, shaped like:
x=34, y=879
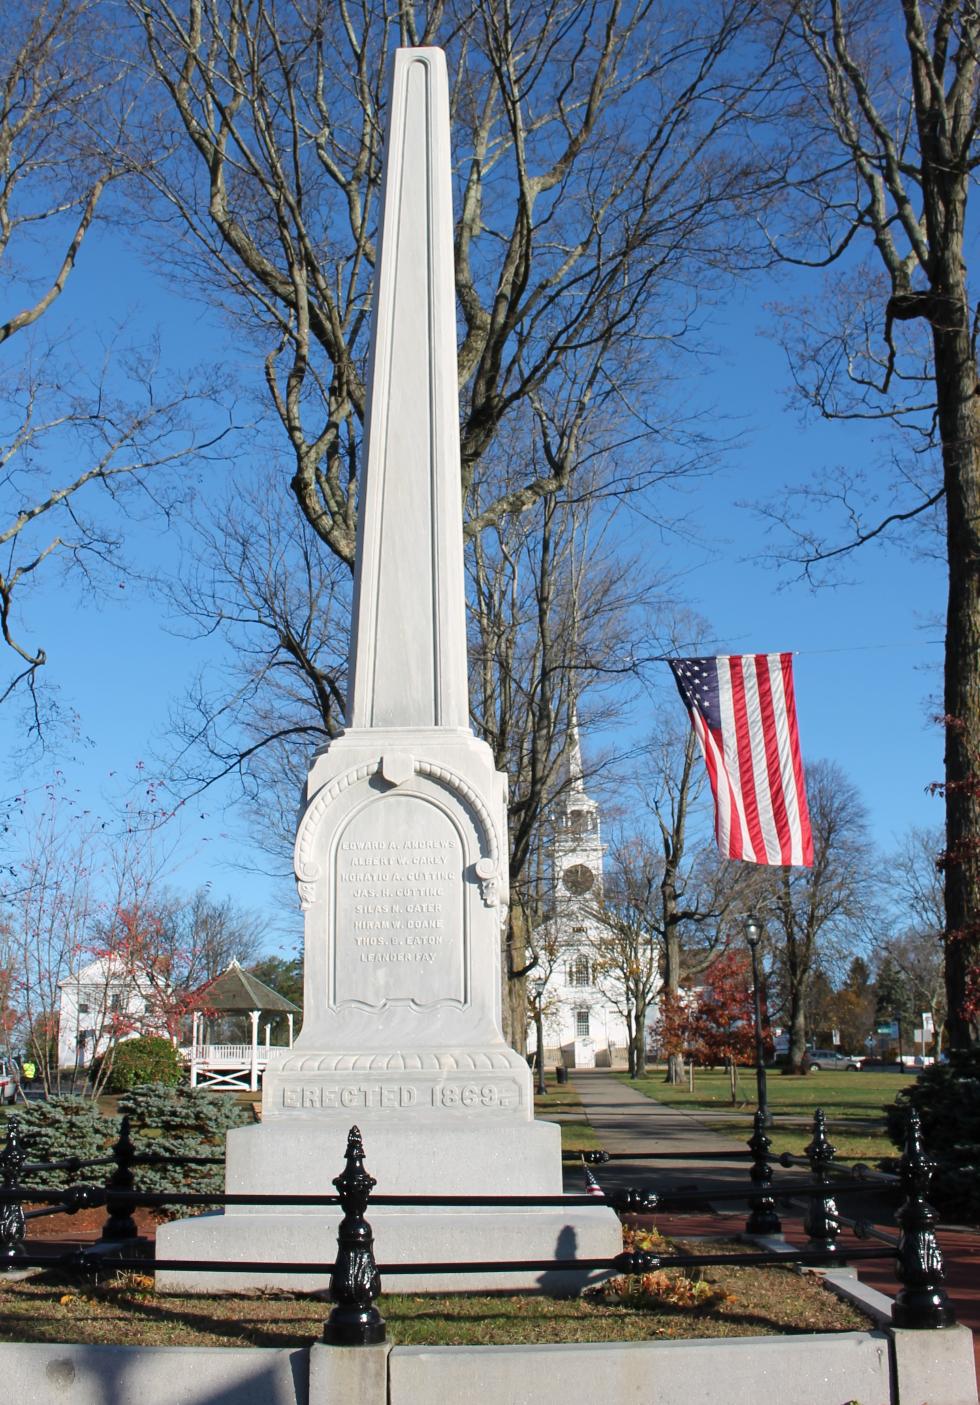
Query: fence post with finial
x=355, y=1281
x=822, y=1222
x=922, y=1301
x=12, y=1222
x=120, y=1225
x=762, y=1217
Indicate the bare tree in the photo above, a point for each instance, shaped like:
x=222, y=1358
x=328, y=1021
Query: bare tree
x=554, y=609
x=257, y=576
x=915, y=947
x=600, y=200
x=697, y=891
x=595, y=177
x=53, y=171
x=882, y=114
x=71, y=422
x=89, y=930
x=666, y=912
x=626, y=956
x=806, y=910
x=49, y=906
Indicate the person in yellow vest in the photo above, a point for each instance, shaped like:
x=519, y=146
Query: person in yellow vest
x=29, y=1069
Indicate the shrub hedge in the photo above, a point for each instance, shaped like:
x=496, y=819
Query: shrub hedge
x=148, y=1059
x=169, y=1121
x=947, y=1098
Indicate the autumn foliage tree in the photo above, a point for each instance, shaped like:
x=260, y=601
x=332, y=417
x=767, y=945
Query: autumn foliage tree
x=85, y=915
x=168, y=947
x=715, y=1023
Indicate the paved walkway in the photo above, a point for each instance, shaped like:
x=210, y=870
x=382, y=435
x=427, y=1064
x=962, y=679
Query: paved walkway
x=627, y=1121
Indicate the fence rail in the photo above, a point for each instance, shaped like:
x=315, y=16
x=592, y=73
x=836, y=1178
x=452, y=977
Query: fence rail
x=355, y=1277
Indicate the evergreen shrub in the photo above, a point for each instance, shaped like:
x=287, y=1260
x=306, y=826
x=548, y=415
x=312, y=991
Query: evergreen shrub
x=181, y=1122
x=168, y=1121
x=147, y=1059
x=62, y=1127
x=947, y=1099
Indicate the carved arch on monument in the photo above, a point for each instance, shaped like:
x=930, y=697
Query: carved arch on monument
x=308, y=872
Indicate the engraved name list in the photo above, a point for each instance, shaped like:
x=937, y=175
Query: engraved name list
x=399, y=905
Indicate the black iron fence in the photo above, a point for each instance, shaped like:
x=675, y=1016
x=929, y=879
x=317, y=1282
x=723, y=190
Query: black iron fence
x=355, y=1276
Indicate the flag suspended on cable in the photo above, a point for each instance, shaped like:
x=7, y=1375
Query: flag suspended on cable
x=744, y=715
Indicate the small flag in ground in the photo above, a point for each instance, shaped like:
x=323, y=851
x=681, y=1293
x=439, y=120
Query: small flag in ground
x=743, y=710
x=592, y=1186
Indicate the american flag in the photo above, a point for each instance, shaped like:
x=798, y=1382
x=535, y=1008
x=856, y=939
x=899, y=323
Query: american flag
x=592, y=1186
x=744, y=714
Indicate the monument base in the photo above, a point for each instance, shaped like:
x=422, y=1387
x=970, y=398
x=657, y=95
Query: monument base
x=301, y=1155
x=402, y=1235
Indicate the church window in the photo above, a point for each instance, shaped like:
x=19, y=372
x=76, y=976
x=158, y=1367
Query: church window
x=578, y=970
x=581, y=1024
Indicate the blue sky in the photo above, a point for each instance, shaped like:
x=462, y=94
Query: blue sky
x=869, y=653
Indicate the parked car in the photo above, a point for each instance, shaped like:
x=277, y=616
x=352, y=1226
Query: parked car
x=830, y=1058
x=8, y=1082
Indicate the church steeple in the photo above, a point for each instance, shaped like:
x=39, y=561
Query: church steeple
x=578, y=845
x=575, y=777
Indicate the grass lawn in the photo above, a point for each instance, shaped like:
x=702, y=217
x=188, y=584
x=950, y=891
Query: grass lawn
x=714, y=1302
x=854, y=1104
x=562, y=1104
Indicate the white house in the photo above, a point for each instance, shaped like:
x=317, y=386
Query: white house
x=582, y=1026
x=101, y=1004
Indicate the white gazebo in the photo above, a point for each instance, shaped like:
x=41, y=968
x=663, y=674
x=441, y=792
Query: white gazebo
x=234, y=992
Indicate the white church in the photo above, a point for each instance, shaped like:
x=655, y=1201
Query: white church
x=582, y=1026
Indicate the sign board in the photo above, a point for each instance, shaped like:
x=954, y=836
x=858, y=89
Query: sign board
x=927, y=1024
x=890, y=1028
x=835, y=1038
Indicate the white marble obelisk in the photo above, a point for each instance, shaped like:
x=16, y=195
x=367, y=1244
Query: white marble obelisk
x=401, y=849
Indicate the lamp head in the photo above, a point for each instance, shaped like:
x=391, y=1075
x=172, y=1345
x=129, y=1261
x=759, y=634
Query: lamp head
x=753, y=930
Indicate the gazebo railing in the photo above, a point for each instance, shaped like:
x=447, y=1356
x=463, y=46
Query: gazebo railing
x=226, y=1053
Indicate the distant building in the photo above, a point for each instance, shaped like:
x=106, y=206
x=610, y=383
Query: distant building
x=100, y=1005
x=582, y=1027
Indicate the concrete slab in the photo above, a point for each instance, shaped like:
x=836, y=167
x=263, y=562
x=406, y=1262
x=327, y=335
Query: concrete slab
x=815, y=1370
x=349, y=1375
x=934, y=1368
x=161, y=1375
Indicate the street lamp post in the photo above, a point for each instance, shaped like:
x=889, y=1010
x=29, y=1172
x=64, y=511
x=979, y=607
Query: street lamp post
x=538, y=991
x=753, y=935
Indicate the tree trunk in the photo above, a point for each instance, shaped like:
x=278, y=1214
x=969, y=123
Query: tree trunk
x=958, y=420
x=514, y=1004
x=640, y=1035
x=797, y=1027
x=672, y=966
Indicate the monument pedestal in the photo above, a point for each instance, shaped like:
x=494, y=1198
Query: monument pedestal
x=300, y=1156
x=401, y=1235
